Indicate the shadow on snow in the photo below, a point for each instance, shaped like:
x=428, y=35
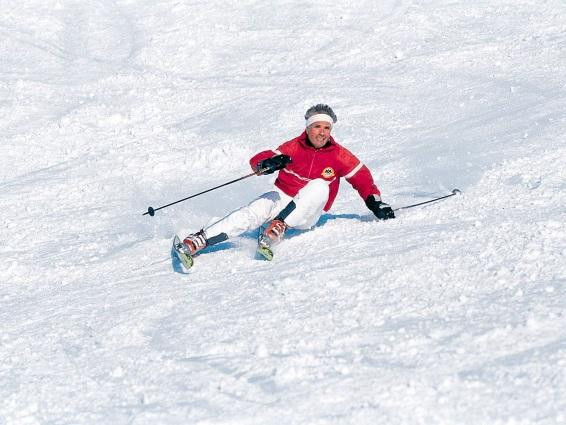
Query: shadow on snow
x=254, y=234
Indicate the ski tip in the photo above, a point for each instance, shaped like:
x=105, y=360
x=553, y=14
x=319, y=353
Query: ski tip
x=456, y=192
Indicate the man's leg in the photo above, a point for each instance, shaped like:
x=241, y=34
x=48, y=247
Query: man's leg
x=239, y=221
x=309, y=204
x=302, y=212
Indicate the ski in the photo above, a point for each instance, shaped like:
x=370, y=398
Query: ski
x=264, y=250
x=182, y=253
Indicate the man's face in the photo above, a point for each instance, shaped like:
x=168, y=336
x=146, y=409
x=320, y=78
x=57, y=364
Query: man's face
x=319, y=133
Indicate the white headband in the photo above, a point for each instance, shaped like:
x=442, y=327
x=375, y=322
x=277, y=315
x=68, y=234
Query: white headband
x=320, y=117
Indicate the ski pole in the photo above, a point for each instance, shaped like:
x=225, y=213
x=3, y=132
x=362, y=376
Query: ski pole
x=454, y=192
x=151, y=211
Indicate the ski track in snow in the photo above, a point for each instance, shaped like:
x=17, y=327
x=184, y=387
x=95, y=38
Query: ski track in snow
x=451, y=314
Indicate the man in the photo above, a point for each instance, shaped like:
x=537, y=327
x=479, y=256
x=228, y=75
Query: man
x=310, y=167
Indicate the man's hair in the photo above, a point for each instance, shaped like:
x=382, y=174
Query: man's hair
x=321, y=109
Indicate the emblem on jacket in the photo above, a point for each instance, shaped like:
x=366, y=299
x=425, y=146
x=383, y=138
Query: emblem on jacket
x=328, y=173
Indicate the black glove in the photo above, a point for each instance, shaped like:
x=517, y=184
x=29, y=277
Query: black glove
x=381, y=210
x=271, y=165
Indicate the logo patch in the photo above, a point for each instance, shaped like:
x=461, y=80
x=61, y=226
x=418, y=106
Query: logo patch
x=328, y=173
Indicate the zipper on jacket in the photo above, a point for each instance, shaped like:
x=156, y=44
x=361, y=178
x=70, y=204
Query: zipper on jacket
x=312, y=162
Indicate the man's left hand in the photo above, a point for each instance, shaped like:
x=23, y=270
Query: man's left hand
x=381, y=210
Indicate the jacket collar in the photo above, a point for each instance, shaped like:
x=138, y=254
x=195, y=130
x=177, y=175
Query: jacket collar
x=304, y=140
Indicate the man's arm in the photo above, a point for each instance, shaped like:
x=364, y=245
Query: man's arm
x=361, y=179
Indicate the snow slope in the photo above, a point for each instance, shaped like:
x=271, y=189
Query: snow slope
x=454, y=313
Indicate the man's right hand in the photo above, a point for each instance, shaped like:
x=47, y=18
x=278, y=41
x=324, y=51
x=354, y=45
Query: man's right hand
x=271, y=165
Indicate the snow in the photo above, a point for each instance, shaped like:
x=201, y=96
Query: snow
x=451, y=314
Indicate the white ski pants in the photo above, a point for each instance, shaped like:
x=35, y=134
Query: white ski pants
x=308, y=203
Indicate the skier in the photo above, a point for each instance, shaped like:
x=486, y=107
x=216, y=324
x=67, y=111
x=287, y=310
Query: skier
x=310, y=167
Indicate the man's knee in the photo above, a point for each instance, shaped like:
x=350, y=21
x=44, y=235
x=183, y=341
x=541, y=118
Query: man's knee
x=309, y=202
x=317, y=189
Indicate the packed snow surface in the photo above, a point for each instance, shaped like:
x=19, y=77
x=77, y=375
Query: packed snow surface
x=453, y=313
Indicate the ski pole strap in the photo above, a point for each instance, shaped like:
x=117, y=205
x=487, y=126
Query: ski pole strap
x=454, y=192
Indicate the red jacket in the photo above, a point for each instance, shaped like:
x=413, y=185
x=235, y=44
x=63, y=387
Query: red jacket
x=330, y=162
